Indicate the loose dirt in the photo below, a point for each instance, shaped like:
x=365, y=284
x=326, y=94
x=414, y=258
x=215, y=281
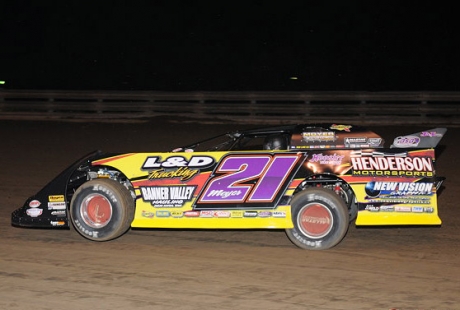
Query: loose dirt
x=373, y=268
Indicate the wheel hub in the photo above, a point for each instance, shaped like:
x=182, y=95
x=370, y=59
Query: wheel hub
x=96, y=211
x=315, y=220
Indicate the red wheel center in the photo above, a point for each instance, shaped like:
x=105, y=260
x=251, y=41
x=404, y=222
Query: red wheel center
x=98, y=211
x=316, y=220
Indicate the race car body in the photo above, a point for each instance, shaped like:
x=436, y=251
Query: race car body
x=311, y=180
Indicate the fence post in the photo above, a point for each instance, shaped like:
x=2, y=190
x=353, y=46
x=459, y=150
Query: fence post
x=362, y=115
x=50, y=105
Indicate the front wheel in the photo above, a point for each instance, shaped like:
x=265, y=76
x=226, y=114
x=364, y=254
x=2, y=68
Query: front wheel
x=320, y=219
x=102, y=209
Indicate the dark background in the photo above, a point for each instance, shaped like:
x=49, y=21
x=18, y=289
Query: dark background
x=230, y=45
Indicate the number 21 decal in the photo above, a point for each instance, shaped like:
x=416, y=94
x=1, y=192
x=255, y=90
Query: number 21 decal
x=249, y=178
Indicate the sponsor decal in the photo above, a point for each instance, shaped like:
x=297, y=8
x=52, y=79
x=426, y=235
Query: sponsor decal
x=320, y=136
x=183, y=173
x=56, y=198
x=372, y=208
x=398, y=192
x=250, y=214
x=154, y=162
x=315, y=221
x=176, y=166
x=57, y=205
x=324, y=220
x=34, y=204
x=177, y=214
x=403, y=209
x=430, y=134
x=57, y=223
x=207, y=213
x=373, y=142
x=428, y=209
x=317, y=146
x=34, y=212
x=327, y=159
x=341, y=127
x=167, y=196
x=355, y=141
x=279, y=214
x=148, y=214
x=162, y=213
x=386, y=208
x=219, y=193
x=389, y=189
x=236, y=213
x=264, y=214
x=222, y=214
x=406, y=141
x=59, y=213
x=192, y=213
x=362, y=142
x=417, y=209
x=400, y=200
x=379, y=164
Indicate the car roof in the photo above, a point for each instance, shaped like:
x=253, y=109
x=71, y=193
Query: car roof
x=322, y=135
x=297, y=128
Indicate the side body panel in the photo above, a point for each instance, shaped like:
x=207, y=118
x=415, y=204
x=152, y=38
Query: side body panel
x=394, y=187
x=391, y=186
x=253, y=189
x=210, y=190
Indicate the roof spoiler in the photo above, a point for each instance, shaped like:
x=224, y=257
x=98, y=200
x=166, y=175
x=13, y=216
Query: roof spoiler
x=424, y=139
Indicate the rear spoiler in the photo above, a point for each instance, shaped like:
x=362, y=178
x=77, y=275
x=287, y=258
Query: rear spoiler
x=424, y=139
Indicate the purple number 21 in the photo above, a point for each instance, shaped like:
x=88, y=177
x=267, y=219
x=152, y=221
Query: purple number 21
x=249, y=178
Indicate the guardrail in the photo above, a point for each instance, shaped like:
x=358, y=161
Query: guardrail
x=256, y=107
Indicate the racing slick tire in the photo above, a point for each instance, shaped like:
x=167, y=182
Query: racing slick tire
x=320, y=219
x=102, y=209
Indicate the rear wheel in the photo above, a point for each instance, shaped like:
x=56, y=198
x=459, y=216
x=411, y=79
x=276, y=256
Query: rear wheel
x=345, y=192
x=320, y=219
x=102, y=209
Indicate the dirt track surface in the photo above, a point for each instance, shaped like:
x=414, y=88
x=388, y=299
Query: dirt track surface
x=373, y=268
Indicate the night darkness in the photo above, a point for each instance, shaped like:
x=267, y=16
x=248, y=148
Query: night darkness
x=230, y=46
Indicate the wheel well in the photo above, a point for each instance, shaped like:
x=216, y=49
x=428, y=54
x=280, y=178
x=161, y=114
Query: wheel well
x=86, y=173
x=332, y=182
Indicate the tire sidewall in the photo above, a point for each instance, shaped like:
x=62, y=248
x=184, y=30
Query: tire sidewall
x=335, y=207
x=107, y=189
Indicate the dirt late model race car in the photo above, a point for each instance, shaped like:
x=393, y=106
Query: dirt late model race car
x=310, y=180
